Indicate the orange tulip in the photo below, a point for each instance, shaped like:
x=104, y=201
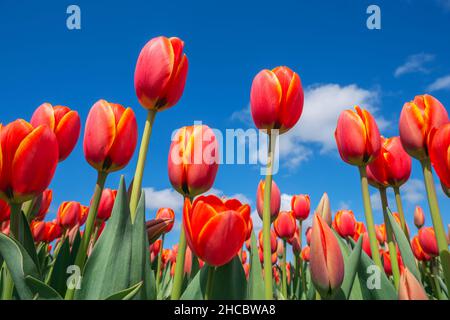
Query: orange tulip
x=419, y=253
x=285, y=225
x=29, y=157
x=366, y=244
x=275, y=200
x=166, y=213
x=155, y=247
x=65, y=123
x=273, y=241
x=417, y=119
x=360, y=228
x=380, y=231
x=276, y=99
x=215, y=229
x=357, y=137
x=83, y=215
x=428, y=242
x=344, y=223
x=326, y=261
x=110, y=136
x=440, y=154
x=37, y=230
x=160, y=73
x=106, y=204
x=419, y=217
x=52, y=231
x=300, y=206
x=244, y=257
x=193, y=160
x=68, y=214
x=410, y=288
x=5, y=211
x=306, y=253
x=44, y=204
x=308, y=235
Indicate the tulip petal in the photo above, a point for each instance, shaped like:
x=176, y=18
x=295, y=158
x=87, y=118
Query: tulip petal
x=67, y=132
x=350, y=137
x=44, y=114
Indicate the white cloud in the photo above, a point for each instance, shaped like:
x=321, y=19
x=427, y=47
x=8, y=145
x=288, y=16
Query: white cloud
x=413, y=191
x=414, y=63
x=165, y=198
x=285, y=202
x=442, y=83
x=375, y=201
x=344, y=205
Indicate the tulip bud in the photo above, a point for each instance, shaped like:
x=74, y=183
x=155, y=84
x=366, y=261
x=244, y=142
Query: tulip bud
x=166, y=213
x=357, y=137
x=410, y=288
x=417, y=119
x=295, y=243
x=106, y=204
x=273, y=241
x=428, y=242
x=439, y=150
x=156, y=227
x=83, y=215
x=308, y=235
x=280, y=248
x=5, y=211
x=344, y=223
x=275, y=200
x=68, y=214
x=380, y=232
x=300, y=205
x=305, y=253
x=110, y=136
x=419, y=217
x=324, y=210
x=326, y=261
x=360, y=228
x=276, y=99
x=161, y=72
x=37, y=230
x=285, y=225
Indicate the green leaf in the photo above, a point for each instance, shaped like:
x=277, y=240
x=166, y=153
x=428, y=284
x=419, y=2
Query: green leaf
x=195, y=267
x=166, y=284
x=43, y=291
x=28, y=241
x=311, y=293
x=195, y=289
x=126, y=294
x=229, y=281
x=255, y=279
x=404, y=246
x=351, y=264
x=59, y=275
x=19, y=263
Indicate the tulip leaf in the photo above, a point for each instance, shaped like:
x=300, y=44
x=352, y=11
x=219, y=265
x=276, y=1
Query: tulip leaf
x=126, y=294
x=20, y=265
x=404, y=246
x=229, y=281
x=351, y=264
x=44, y=292
x=196, y=288
x=311, y=291
x=255, y=288
x=28, y=240
x=58, y=273
x=166, y=285
x=195, y=267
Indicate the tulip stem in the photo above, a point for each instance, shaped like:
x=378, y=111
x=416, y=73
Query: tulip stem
x=210, y=282
x=369, y=217
x=27, y=208
x=400, y=210
x=437, y=220
x=300, y=260
x=85, y=240
x=434, y=278
x=390, y=239
x=158, y=268
x=283, y=270
x=267, y=222
x=16, y=227
x=137, y=181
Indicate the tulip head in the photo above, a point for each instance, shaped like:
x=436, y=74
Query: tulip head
x=410, y=288
x=83, y=215
x=68, y=214
x=52, y=231
x=308, y=235
x=106, y=204
x=193, y=160
x=439, y=151
x=275, y=200
x=273, y=241
x=360, y=228
x=380, y=232
x=357, y=137
x=160, y=73
x=215, y=229
x=306, y=253
x=65, y=123
x=166, y=213
x=366, y=244
x=344, y=223
x=156, y=227
x=285, y=225
x=110, y=136
x=419, y=217
x=387, y=261
x=419, y=253
x=300, y=206
x=417, y=119
x=44, y=204
x=428, y=242
x=326, y=261
x=324, y=210
x=276, y=99
x=37, y=230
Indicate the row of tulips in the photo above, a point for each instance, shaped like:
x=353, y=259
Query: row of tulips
x=218, y=254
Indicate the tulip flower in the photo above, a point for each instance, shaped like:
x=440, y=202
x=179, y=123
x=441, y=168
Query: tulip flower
x=246, y=267
x=275, y=200
x=439, y=154
x=410, y=288
x=326, y=261
x=42, y=206
x=156, y=227
x=427, y=240
x=83, y=215
x=244, y=257
x=38, y=230
x=323, y=209
x=280, y=248
x=52, y=231
x=366, y=244
x=106, y=204
x=417, y=250
x=273, y=241
x=163, y=213
x=360, y=228
x=65, y=123
x=295, y=243
x=308, y=235
x=300, y=206
x=380, y=231
x=305, y=253
x=387, y=262
x=285, y=225
x=344, y=223
x=419, y=217
x=68, y=214
x=5, y=211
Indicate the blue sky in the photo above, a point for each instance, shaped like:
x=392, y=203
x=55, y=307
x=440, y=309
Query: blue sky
x=340, y=62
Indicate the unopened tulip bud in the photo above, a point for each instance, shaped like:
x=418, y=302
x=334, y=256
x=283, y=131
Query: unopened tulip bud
x=166, y=213
x=344, y=223
x=275, y=200
x=106, y=204
x=156, y=227
x=308, y=235
x=324, y=210
x=419, y=217
x=410, y=288
x=305, y=253
x=285, y=225
x=68, y=214
x=300, y=206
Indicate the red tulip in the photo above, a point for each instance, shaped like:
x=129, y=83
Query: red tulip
x=380, y=231
x=344, y=223
x=410, y=288
x=110, y=136
x=44, y=204
x=387, y=261
x=392, y=166
x=419, y=253
x=417, y=119
x=360, y=228
x=295, y=243
x=193, y=160
x=280, y=248
x=419, y=217
x=308, y=235
x=366, y=244
x=215, y=229
x=300, y=205
x=29, y=157
x=285, y=225
x=5, y=211
x=155, y=247
x=160, y=73
x=65, y=123
x=106, y=204
x=52, y=231
x=428, y=242
x=326, y=261
x=273, y=241
x=244, y=257
x=68, y=214
x=246, y=267
x=276, y=99
x=275, y=200
x=83, y=215
x=439, y=150
x=306, y=253
x=37, y=230
x=357, y=137
x=166, y=213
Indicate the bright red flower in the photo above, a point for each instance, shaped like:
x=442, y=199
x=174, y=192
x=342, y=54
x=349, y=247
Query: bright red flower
x=439, y=150
x=428, y=242
x=83, y=215
x=166, y=213
x=387, y=261
x=301, y=206
x=285, y=225
x=419, y=253
x=68, y=214
x=275, y=200
x=52, y=231
x=106, y=204
x=273, y=240
x=38, y=230
x=345, y=223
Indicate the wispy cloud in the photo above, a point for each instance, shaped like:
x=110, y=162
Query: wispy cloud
x=444, y=3
x=414, y=63
x=442, y=83
x=164, y=198
x=413, y=191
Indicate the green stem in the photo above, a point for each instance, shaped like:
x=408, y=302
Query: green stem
x=390, y=239
x=437, y=220
x=27, y=208
x=283, y=270
x=137, y=181
x=158, y=268
x=369, y=217
x=300, y=260
x=92, y=215
x=434, y=278
x=15, y=224
x=266, y=224
x=401, y=212
x=210, y=282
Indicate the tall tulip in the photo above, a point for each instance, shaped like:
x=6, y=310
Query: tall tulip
x=419, y=121
x=410, y=288
x=300, y=206
x=275, y=200
x=418, y=251
x=358, y=141
x=419, y=217
x=344, y=223
x=106, y=204
x=273, y=241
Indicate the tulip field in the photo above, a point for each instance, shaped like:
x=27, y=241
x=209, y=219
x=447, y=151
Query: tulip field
x=115, y=249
